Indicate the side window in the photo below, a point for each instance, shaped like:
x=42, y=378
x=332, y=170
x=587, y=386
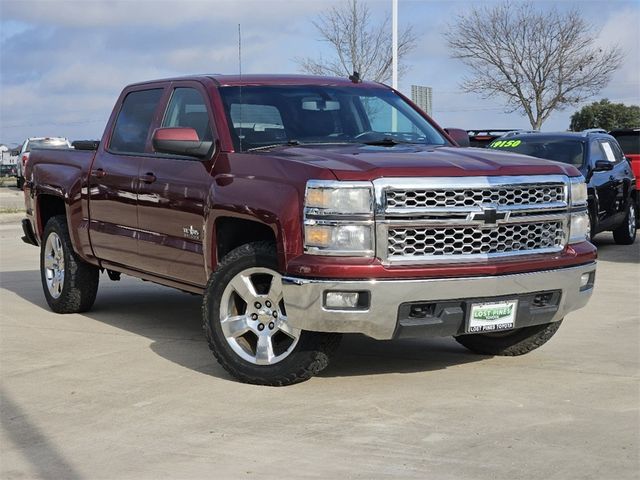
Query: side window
x=134, y=120
x=187, y=108
x=617, y=151
x=595, y=152
x=608, y=152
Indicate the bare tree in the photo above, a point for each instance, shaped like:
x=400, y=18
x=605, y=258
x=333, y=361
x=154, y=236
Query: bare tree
x=359, y=44
x=538, y=61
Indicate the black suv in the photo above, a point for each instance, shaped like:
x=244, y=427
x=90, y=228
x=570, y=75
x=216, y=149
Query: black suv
x=610, y=181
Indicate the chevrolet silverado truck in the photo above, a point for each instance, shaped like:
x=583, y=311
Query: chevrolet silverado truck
x=305, y=207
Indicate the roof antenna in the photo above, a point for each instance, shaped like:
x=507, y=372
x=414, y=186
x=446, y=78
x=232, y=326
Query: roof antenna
x=355, y=78
x=240, y=135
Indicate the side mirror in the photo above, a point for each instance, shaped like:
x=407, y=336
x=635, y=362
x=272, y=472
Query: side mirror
x=180, y=141
x=461, y=137
x=602, y=166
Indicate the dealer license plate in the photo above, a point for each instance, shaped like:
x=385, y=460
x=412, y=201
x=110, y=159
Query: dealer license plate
x=493, y=316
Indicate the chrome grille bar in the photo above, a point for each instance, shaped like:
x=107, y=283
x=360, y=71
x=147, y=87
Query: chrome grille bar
x=425, y=220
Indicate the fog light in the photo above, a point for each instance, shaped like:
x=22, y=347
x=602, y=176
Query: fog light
x=587, y=280
x=341, y=300
x=584, y=280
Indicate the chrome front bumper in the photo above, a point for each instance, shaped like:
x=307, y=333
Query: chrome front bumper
x=304, y=298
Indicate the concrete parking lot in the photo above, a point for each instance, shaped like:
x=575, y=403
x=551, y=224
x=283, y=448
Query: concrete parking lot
x=130, y=390
x=11, y=198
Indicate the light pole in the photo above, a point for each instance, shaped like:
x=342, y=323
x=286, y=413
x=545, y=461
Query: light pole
x=394, y=59
x=394, y=44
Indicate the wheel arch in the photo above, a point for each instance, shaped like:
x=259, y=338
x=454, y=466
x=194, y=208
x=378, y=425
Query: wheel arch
x=48, y=206
x=230, y=233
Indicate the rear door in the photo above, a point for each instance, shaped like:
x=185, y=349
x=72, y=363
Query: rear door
x=114, y=178
x=172, y=199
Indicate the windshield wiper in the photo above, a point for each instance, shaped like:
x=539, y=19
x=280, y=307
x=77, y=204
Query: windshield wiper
x=289, y=143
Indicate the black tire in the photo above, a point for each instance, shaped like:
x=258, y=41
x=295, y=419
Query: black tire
x=19, y=182
x=625, y=234
x=80, y=279
x=518, y=342
x=307, y=357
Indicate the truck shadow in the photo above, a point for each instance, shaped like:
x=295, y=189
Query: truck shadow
x=609, y=251
x=172, y=321
x=359, y=356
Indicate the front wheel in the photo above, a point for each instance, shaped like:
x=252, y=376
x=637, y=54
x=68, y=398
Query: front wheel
x=245, y=322
x=625, y=234
x=510, y=343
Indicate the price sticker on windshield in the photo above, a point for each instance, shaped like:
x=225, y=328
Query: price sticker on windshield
x=505, y=143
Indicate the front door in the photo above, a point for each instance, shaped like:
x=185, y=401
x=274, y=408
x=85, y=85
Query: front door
x=173, y=195
x=605, y=187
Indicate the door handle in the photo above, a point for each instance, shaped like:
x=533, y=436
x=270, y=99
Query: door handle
x=147, y=177
x=98, y=173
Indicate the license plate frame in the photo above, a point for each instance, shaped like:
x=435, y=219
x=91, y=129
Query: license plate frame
x=492, y=316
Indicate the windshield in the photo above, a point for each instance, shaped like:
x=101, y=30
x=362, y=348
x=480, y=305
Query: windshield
x=46, y=143
x=558, y=149
x=278, y=115
x=629, y=142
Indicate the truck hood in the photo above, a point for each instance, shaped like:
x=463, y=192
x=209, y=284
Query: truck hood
x=362, y=162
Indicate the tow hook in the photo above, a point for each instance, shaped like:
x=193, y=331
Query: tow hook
x=115, y=276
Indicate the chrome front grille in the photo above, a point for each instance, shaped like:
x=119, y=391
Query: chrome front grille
x=469, y=197
x=423, y=220
x=459, y=240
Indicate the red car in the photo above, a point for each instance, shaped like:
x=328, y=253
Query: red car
x=629, y=140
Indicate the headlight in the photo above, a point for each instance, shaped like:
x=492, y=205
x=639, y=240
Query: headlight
x=350, y=198
x=338, y=218
x=578, y=191
x=580, y=227
x=336, y=239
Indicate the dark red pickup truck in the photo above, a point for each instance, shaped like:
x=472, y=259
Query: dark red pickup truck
x=305, y=207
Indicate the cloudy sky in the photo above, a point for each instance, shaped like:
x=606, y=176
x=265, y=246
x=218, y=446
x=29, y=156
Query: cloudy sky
x=63, y=63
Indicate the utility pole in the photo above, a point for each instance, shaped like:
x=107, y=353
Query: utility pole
x=394, y=59
x=394, y=44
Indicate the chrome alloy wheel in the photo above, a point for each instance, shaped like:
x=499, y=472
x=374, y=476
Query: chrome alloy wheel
x=54, y=265
x=631, y=221
x=253, y=317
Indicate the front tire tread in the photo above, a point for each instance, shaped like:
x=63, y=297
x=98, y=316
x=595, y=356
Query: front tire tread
x=312, y=353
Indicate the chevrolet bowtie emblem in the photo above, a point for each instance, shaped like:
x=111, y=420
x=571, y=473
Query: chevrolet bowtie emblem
x=489, y=216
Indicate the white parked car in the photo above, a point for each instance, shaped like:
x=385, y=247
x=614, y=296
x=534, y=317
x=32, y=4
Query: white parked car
x=33, y=143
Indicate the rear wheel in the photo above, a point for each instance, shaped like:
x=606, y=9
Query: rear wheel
x=245, y=322
x=70, y=285
x=512, y=342
x=625, y=234
x=19, y=182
